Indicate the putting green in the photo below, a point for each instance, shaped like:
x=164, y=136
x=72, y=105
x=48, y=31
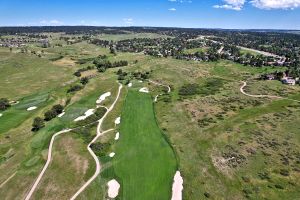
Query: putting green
x=144, y=163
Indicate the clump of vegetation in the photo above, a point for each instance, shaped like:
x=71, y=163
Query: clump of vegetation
x=4, y=104
x=75, y=88
x=55, y=110
x=84, y=80
x=189, y=89
x=211, y=86
x=37, y=124
x=100, y=149
x=102, y=63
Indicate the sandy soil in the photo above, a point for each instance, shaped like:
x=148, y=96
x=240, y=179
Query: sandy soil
x=31, y=108
x=117, y=136
x=86, y=115
x=103, y=97
x=113, y=188
x=177, y=187
x=118, y=121
x=144, y=89
x=61, y=114
x=112, y=154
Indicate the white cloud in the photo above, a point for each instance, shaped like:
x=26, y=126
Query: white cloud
x=52, y=22
x=276, y=4
x=172, y=9
x=128, y=21
x=232, y=5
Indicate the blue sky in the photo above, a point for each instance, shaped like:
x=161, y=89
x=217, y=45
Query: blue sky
x=273, y=14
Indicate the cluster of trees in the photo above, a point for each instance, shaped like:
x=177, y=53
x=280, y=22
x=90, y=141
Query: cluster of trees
x=136, y=75
x=4, y=104
x=39, y=123
x=102, y=63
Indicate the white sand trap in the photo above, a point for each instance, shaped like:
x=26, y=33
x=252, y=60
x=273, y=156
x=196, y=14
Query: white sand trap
x=144, y=89
x=31, y=108
x=1, y=114
x=140, y=81
x=177, y=187
x=118, y=121
x=86, y=115
x=112, y=154
x=61, y=114
x=113, y=188
x=103, y=97
x=130, y=85
x=116, y=137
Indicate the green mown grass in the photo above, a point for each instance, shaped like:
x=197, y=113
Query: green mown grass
x=144, y=163
x=18, y=113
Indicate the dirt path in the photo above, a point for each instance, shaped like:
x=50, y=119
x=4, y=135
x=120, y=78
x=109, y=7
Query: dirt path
x=47, y=163
x=262, y=96
x=4, y=182
x=156, y=83
x=99, y=133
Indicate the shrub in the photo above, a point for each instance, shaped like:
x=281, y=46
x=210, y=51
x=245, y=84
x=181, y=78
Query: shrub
x=84, y=80
x=4, y=104
x=50, y=115
x=189, y=89
x=75, y=88
x=37, y=124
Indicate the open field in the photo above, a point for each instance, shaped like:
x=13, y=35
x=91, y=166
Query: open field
x=226, y=145
x=130, y=36
x=144, y=162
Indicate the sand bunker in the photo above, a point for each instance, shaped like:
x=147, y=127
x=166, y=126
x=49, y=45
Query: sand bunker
x=31, y=108
x=144, y=89
x=140, y=81
x=86, y=115
x=1, y=114
x=177, y=187
x=103, y=97
x=116, y=137
x=61, y=114
x=113, y=188
x=118, y=121
x=112, y=154
x=130, y=85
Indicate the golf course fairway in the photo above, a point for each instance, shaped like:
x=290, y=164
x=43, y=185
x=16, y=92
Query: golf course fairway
x=144, y=163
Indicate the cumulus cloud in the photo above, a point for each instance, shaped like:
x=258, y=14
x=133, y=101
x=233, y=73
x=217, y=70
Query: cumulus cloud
x=128, y=21
x=172, y=9
x=276, y=4
x=232, y=4
x=261, y=4
x=52, y=22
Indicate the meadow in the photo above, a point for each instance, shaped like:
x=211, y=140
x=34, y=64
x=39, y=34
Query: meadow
x=226, y=145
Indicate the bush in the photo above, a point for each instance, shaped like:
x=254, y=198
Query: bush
x=84, y=80
x=4, y=104
x=58, y=108
x=189, y=89
x=37, y=124
x=50, y=115
x=100, y=149
x=75, y=88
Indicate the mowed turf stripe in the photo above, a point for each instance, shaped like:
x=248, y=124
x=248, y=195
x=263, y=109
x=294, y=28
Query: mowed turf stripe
x=144, y=163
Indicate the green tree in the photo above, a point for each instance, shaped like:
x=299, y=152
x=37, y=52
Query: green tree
x=50, y=115
x=58, y=108
x=37, y=124
x=4, y=104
